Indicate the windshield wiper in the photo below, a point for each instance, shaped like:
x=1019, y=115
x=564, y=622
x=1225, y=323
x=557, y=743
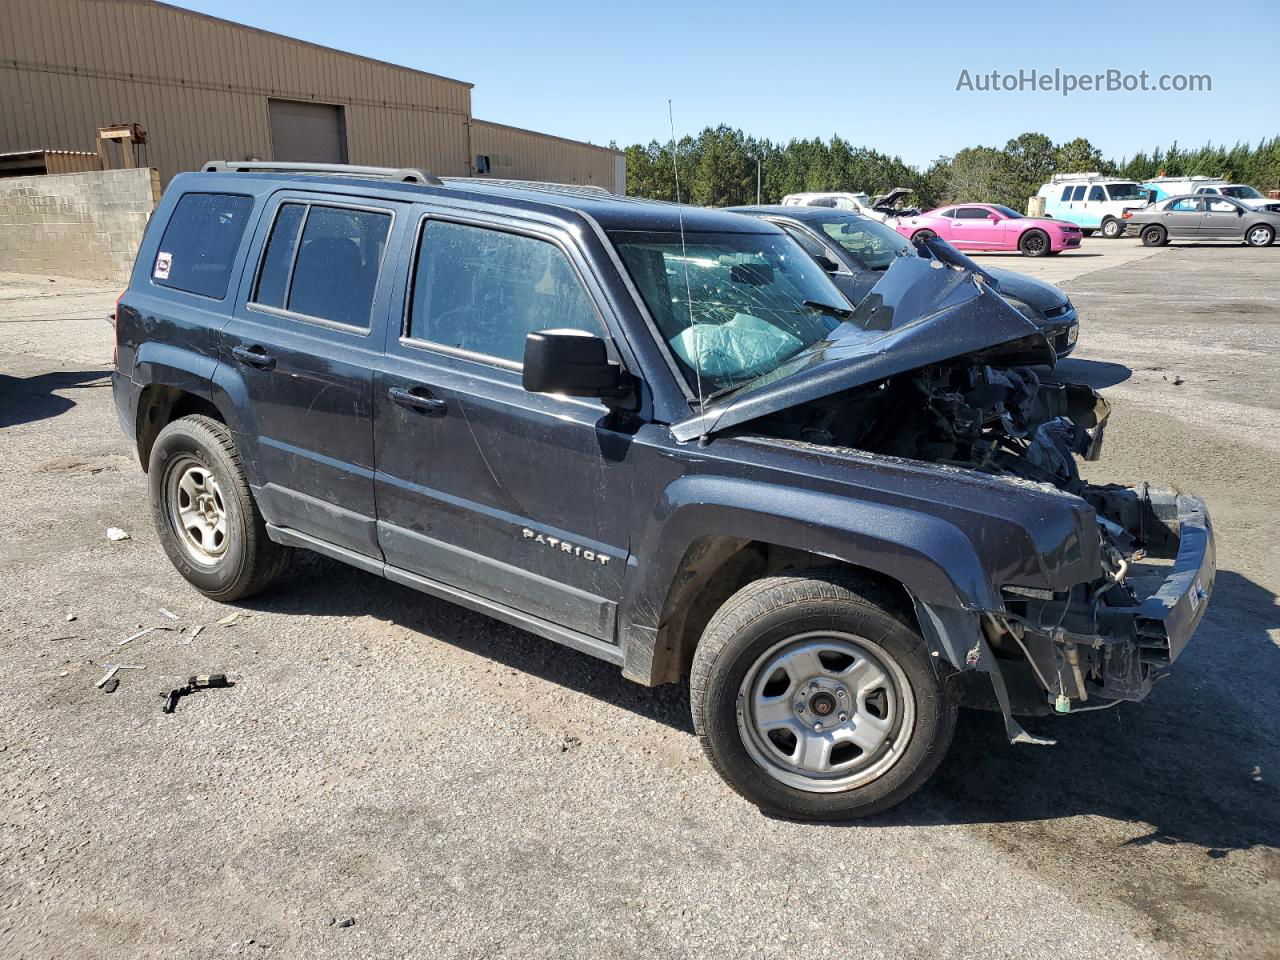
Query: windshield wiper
x=830, y=308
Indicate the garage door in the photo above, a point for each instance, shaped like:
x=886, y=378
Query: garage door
x=311, y=132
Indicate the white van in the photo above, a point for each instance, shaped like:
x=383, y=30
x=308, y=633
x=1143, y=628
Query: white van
x=1166, y=187
x=1092, y=201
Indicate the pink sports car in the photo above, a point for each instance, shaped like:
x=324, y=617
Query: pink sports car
x=990, y=226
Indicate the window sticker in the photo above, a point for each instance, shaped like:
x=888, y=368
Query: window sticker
x=163, y=262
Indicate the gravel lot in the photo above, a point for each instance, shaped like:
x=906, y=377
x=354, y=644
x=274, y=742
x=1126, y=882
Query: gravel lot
x=462, y=789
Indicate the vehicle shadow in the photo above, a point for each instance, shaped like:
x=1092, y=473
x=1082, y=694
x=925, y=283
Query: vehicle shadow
x=318, y=586
x=1196, y=761
x=26, y=400
x=1094, y=373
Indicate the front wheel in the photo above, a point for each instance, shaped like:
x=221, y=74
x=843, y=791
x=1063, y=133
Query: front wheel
x=1112, y=228
x=1154, y=237
x=205, y=514
x=1034, y=243
x=815, y=698
x=1260, y=236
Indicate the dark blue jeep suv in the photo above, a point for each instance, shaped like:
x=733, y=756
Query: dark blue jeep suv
x=660, y=435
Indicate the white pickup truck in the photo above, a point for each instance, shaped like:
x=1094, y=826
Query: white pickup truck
x=883, y=207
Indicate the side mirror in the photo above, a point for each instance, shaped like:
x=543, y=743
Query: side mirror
x=993, y=218
x=826, y=263
x=571, y=362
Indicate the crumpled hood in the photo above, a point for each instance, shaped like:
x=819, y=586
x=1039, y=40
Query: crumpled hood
x=921, y=312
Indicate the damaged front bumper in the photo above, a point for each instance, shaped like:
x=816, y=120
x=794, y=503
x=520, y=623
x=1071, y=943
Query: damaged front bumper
x=1112, y=639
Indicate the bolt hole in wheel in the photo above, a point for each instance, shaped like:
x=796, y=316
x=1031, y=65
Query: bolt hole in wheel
x=825, y=712
x=197, y=510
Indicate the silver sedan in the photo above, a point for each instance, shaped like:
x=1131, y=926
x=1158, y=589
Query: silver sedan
x=1200, y=217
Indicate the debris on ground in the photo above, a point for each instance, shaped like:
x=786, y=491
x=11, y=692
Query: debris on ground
x=140, y=633
x=204, y=681
x=1178, y=381
x=110, y=681
x=169, y=613
x=115, y=534
x=71, y=617
x=230, y=619
x=568, y=742
x=347, y=922
x=195, y=632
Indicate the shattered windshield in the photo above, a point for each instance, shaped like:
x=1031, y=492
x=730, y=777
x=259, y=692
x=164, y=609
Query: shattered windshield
x=868, y=241
x=731, y=306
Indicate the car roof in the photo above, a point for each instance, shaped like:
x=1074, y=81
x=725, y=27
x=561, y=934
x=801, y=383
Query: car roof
x=611, y=212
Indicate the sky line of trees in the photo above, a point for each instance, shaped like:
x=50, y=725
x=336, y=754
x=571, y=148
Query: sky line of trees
x=718, y=168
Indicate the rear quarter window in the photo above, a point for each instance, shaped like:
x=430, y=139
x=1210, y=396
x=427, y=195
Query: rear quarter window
x=200, y=243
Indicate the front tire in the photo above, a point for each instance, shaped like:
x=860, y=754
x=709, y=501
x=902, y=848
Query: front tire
x=205, y=514
x=1260, y=236
x=1034, y=243
x=1154, y=236
x=1112, y=228
x=815, y=697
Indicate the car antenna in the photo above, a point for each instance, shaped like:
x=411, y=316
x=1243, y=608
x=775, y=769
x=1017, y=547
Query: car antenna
x=684, y=260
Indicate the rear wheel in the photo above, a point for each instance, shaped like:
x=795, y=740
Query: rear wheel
x=920, y=236
x=1154, y=236
x=815, y=698
x=1034, y=243
x=1260, y=236
x=205, y=514
x=1112, y=228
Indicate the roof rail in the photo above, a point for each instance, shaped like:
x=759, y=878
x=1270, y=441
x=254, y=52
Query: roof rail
x=547, y=185
x=401, y=174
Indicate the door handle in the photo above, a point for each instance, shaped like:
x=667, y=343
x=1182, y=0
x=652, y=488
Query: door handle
x=418, y=399
x=254, y=357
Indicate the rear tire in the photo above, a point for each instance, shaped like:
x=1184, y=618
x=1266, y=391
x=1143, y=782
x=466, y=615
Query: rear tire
x=1154, y=236
x=205, y=514
x=920, y=236
x=1034, y=243
x=788, y=652
x=1112, y=228
x=1260, y=236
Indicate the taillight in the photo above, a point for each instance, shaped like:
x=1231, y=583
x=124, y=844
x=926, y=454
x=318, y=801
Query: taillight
x=115, y=322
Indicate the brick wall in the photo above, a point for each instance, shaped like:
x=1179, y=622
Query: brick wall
x=76, y=224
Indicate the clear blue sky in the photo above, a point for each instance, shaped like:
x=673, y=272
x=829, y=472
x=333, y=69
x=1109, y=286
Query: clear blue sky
x=879, y=74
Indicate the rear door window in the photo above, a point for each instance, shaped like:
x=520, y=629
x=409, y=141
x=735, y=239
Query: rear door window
x=1097, y=193
x=484, y=291
x=200, y=243
x=1078, y=193
x=323, y=262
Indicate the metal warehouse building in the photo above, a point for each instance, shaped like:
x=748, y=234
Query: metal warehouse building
x=200, y=88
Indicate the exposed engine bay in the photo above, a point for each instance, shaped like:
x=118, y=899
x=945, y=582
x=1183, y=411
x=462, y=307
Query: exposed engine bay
x=1103, y=639
x=1005, y=421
